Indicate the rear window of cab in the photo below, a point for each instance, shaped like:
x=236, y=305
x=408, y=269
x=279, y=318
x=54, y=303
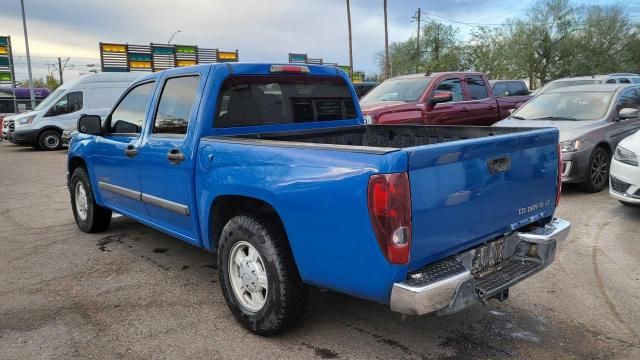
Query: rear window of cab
x=284, y=99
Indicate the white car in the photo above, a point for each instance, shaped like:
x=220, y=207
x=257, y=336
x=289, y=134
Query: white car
x=625, y=172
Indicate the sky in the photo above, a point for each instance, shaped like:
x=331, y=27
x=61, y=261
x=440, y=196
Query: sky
x=261, y=30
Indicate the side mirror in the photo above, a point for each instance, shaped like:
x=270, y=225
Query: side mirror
x=440, y=97
x=90, y=124
x=628, y=113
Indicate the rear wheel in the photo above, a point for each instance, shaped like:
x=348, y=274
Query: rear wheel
x=597, y=171
x=50, y=140
x=90, y=217
x=258, y=276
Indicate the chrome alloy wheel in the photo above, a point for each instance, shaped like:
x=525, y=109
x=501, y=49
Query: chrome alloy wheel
x=248, y=276
x=599, y=170
x=82, y=204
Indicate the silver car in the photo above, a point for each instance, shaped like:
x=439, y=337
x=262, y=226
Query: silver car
x=592, y=119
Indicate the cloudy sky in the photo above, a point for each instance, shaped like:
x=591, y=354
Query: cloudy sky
x=262, y=30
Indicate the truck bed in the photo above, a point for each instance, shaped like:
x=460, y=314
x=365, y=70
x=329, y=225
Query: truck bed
x=383, y=138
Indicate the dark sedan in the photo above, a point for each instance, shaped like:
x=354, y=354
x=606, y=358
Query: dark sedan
x=592, y=119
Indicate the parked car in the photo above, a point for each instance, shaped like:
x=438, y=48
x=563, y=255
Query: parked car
x=94, y=93
x=8, y=126
x=625, y=171
x=448, y=98
x=592, y=119
x=617, y=78
x=272, y=167
x=364, y=87
x=514, y=91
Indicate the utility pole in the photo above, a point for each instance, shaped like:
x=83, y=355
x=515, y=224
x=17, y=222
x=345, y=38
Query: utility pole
x=350, y=42
x=418, y=20
x=26, y=44
x=387, y=66
x=62, y=67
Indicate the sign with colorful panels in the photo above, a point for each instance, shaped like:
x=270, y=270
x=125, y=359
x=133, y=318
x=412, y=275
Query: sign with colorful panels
x=156, y=57
x=7, y=70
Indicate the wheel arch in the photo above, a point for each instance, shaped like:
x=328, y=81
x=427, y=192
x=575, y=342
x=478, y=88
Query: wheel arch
x=606, y=146
x=225, y=207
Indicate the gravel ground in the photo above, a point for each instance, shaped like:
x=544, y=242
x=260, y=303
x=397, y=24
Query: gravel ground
x=133, y=292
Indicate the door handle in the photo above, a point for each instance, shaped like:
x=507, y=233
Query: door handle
x=131, y=151
x=464, y=109
x=175, y=156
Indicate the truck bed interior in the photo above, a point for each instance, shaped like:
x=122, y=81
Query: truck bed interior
x=387, y=136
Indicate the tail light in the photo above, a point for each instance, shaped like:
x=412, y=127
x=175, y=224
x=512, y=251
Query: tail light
x=560, y=171
x=289, y=69
x=389, y=201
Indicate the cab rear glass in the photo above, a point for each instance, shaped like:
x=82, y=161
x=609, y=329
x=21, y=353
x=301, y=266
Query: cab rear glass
x=283, y=99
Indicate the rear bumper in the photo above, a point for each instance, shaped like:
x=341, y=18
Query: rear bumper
x=452, y=285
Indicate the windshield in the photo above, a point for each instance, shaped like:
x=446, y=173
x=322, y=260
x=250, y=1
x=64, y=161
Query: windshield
x=559, y=84
x=566, y=106
x=408, y=89
x=49, y=99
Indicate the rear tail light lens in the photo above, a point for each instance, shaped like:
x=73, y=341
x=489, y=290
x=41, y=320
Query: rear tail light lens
x=389, y=200
x=560, y=171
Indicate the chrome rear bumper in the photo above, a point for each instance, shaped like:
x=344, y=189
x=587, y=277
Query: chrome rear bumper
x=449, y=285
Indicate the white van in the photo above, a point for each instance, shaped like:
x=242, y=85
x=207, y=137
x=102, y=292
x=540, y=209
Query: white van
x=90, y=94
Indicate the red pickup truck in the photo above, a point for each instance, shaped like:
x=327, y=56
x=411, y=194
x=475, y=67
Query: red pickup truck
x=446, y=98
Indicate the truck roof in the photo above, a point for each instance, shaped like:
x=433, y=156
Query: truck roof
x=437, y=74
x=252, y=68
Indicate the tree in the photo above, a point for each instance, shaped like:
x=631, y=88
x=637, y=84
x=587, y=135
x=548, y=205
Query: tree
x=604, y=40
x=50, y=82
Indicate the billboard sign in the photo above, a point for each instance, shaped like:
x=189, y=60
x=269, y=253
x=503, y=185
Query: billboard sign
x=297, y=58
x=155, y=57
x=7, y=71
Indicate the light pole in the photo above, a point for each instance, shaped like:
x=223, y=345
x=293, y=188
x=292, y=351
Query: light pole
x=26, y=44
x=172, y=35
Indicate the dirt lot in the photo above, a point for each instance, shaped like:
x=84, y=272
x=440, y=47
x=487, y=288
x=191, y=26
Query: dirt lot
x=133, y=292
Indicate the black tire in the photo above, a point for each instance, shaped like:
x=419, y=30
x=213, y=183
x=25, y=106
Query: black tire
x=50, y=140
x=96, y=218
x=597, y=171
x=629, y=204
x=287, y=295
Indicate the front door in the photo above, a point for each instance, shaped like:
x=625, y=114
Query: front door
x=453, y=112
x=621, y=128
x=167, y=157
x=115, y=158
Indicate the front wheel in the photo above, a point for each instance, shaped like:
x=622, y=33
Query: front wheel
x=597, y=171
x=90, y=217
x=258, y=276
x=49, y=140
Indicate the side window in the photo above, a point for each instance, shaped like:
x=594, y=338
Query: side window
x=628, y=99
x=176, y=102
x=516, y=88
x=452, y=85
x=500, y=90
x=611, y=81
x=477, y=89
x=68, y=104
x=128, y=116
x=624, y=81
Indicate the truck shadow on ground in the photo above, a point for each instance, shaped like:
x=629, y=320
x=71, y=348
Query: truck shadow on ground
x=336, y=322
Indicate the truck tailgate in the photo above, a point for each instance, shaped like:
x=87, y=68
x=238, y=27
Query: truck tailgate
x=467, y=192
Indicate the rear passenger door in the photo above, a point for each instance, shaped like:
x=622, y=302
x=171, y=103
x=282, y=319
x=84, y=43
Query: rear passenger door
x=167, y=156
x=481, y=108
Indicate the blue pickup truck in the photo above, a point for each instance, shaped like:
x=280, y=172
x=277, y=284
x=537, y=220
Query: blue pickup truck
x=272, y=168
